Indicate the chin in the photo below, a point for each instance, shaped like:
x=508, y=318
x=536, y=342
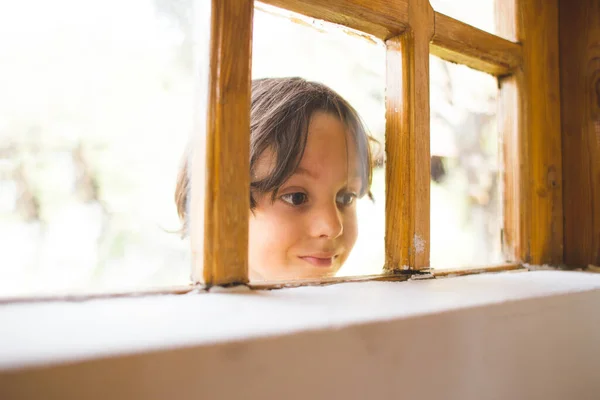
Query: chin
x=309, y=272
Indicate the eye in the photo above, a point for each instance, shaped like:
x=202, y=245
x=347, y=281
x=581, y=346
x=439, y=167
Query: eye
x=295, y=199
x=345, y=199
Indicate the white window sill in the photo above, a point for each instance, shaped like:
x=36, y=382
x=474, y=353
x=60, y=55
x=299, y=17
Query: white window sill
x=53, y=333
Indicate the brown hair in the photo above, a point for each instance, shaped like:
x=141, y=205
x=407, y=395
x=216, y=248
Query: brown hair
x=280, y=113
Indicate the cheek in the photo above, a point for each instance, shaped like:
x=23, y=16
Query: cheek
x=350, y=235
x=350, y=229
x=271, y=236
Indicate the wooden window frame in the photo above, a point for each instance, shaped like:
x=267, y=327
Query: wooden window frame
x=526, y=67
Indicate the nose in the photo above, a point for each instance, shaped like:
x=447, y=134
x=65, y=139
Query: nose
x=326, y=222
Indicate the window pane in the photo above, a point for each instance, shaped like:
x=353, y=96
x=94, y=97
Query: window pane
x=466, y=215
x=478, y=13
x=353, y=65
x=96, y=108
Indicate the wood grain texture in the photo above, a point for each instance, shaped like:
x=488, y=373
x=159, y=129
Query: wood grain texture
x=407, y=143
x=220, y=249
x=461, y=43
x=580, y=98
x=530, y=128
x=380, y=18
x=514, y=200
x=443, y=273
x=266, y=285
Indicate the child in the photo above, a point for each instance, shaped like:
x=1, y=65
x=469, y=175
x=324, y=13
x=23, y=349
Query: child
x=309, y=161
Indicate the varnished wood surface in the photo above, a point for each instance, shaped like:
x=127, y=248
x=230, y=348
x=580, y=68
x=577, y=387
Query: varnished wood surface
x=271, y=285
x=407, y=143
x=443, y=273
x=380, y=18
x=510, y=129
x=223, y=211
x=580, y=98
x=531, y=133
x=514, y=200
x=458, y=42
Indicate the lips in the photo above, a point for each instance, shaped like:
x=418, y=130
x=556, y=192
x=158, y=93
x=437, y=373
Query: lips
x=320, y=260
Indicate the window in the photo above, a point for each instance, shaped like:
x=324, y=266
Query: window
x=410, y=34
x=410, y=30
x=96, y=107
x=466, y=200
x=479, y=14
x=286, y=44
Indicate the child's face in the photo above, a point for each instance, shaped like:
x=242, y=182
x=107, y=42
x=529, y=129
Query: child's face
x=310, y=229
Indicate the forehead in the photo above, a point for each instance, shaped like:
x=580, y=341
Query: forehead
x=329, y=145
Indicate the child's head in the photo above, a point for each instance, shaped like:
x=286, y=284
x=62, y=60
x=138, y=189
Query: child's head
x=309, y=162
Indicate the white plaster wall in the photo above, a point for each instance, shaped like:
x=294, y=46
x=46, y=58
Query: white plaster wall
x=492, y=341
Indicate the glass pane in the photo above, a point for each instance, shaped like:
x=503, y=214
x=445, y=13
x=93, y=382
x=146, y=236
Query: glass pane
x=96, y=107
x=466, y=215
x=478, y=13
x=353, y=65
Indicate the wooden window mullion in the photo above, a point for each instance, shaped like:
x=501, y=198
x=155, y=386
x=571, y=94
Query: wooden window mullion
x=220, y=241
x=530, y=128
x=461, y=43
x=407, y=143
x=220, y=200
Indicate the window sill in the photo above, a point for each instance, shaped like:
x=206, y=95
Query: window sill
x=42, y=333
x=75, y=334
